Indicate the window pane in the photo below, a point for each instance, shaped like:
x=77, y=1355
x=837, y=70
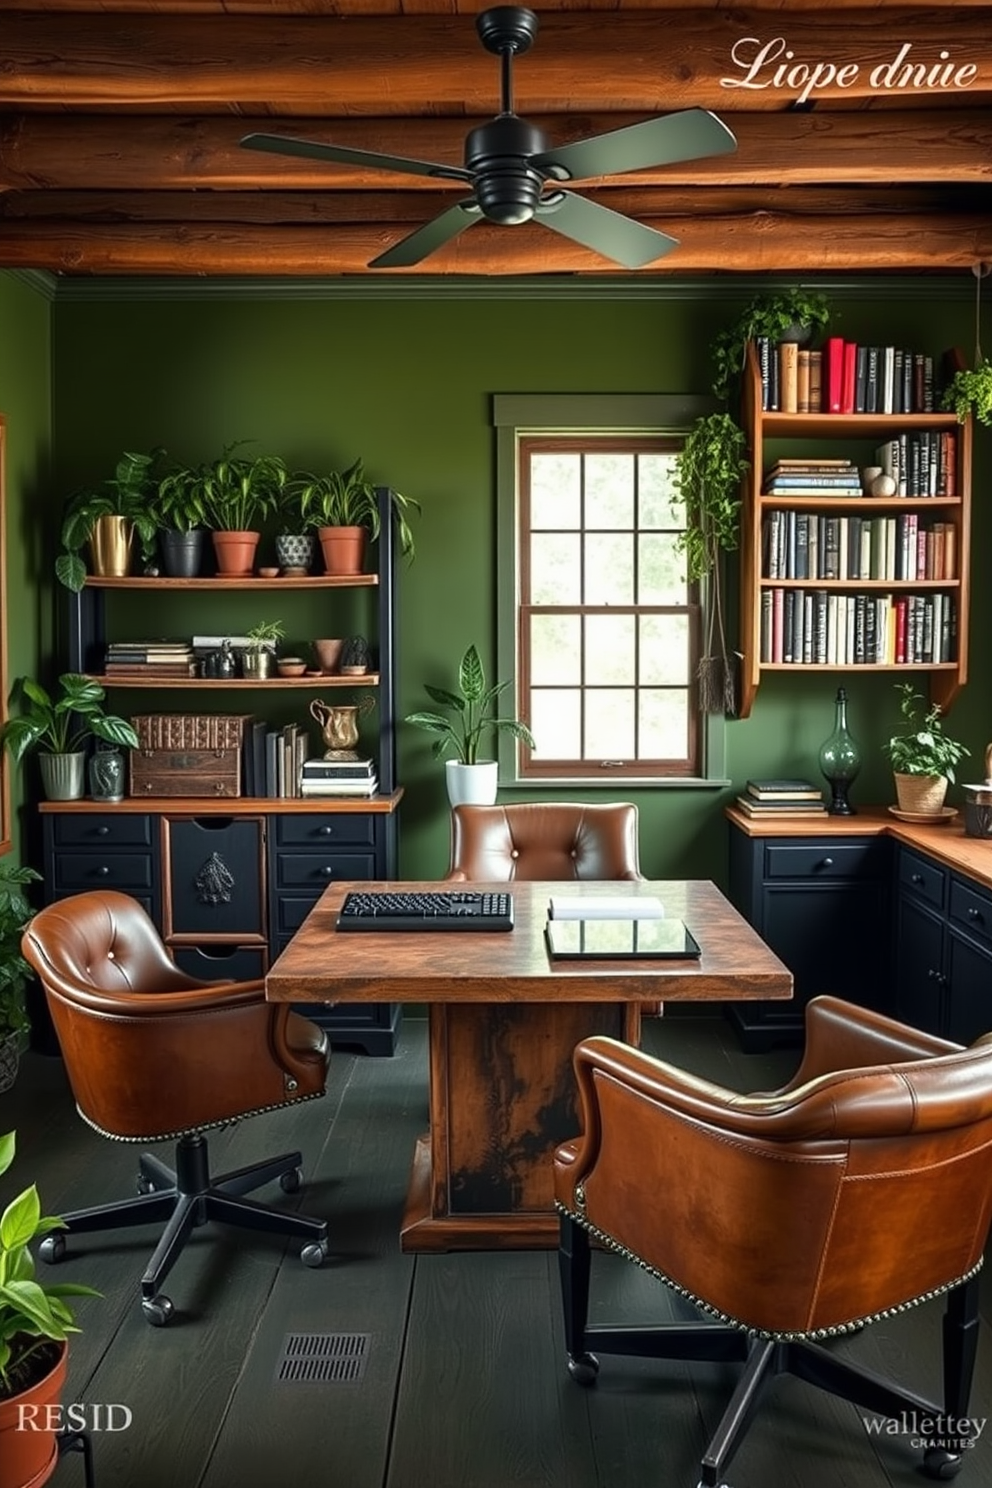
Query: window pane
x=555, y=488
x=556, y=722
x=610, y=653
x=555, y=570
x=655, y=491
x=609, y=723
x=665, y=655
x=661, y=570
x=609, y=564
x=664, y=724
x=555, y=650
x=609, y=490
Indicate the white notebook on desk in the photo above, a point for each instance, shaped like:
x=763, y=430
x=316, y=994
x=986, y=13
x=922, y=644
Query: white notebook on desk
x=605, y=907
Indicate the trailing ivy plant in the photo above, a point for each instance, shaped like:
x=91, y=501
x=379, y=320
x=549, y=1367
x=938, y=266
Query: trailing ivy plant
x=772, y=315
x=709, y=471
x=970, y=392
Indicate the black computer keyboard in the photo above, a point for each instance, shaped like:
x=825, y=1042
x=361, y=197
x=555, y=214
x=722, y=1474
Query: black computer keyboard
x=430, y=911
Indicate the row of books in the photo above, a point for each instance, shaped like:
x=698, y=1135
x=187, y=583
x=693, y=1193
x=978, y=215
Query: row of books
x=844, y=377
x=329, y=777
x=921, y=462
x=814, y=627
x=276, y=762
x=149, y=659
x=808, y=545
x=781, y=798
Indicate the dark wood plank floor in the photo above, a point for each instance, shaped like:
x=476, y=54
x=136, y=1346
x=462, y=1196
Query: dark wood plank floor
x=463, y=1384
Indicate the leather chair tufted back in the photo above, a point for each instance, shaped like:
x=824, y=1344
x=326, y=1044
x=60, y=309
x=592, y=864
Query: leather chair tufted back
x=149, y=1051
x=556, y=840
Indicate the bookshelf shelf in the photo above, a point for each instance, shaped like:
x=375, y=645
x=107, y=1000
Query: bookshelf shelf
x=846, y=620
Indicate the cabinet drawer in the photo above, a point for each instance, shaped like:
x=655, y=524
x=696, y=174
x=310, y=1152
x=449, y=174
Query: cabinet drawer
x=94, y=870
x=314, y=871
x=92, y=831
x=291, y=912
x=825, y=859
x=214, y=876
x=346, y=828
x=971, y=910
x=222, y=963
x=922, y=878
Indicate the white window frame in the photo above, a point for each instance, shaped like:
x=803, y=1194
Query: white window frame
x=519, y=415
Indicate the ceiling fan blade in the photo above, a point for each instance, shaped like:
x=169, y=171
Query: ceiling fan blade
x=663, y=141
x=283, y=144
x=607, y=232
x=433, y=235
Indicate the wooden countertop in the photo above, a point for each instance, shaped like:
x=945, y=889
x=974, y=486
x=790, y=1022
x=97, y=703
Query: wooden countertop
x=946, y=842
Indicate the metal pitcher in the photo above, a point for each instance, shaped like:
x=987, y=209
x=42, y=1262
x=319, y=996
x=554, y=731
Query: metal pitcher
x=339, y=725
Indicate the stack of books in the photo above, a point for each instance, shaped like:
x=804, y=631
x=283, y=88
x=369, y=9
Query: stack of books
x=331, y=777
x=815, y=477
x=152, y=659
x=781, y=798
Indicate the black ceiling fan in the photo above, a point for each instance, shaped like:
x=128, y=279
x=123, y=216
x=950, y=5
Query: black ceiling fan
x=514, y=173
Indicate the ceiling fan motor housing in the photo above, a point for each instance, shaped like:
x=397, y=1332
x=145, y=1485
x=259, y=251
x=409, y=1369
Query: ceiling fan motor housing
x=507, y=187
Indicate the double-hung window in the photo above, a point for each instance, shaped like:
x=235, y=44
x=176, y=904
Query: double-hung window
x=600, y=628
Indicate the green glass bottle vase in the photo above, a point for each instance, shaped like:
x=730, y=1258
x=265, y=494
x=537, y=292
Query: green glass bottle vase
x=840, y=760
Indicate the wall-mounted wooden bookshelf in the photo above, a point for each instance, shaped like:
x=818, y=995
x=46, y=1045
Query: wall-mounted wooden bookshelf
x=937, y=606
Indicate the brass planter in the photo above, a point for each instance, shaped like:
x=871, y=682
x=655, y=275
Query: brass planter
x=110, y=546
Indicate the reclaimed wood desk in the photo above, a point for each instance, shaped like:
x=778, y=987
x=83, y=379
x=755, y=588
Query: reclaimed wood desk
x=504, y=1021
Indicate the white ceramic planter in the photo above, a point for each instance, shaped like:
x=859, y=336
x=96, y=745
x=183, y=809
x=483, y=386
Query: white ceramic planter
x=471, y=785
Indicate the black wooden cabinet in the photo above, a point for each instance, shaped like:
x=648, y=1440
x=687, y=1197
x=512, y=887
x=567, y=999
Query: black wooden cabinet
x=822, y=904
x=943, y=949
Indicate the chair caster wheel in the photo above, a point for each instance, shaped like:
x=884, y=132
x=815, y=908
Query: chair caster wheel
x=292, y=1181
x=584, y=1369
x=314, y=1253
x=938, y=1462
x=158, y=1310
x=52, y=1248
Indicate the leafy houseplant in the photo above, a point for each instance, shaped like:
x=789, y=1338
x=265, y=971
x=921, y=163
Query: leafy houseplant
x=181, y=516
x=256, y=659
x=794, y=313
x=105, y=516
x=472, y=716
x=348, y=499
x=60, y=726
x=923, y=755
x=970, y=392
x=15, y=912
x=35, y=1321
x=237, y=494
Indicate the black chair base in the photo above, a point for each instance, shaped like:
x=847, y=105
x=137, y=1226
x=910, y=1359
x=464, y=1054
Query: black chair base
x=70, y=1440
x=185, y=1198
x=766, y=1358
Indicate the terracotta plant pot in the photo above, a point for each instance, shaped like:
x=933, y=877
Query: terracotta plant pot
x=343, y=549
x=921, y=794
x=235, y=553
x=28, y=1458
x=328, y=653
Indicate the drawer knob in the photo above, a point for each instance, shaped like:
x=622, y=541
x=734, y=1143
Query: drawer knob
x=103, y=871
x=827, y=863
x=916, y=878
x=327, y=872
x=974, y=914
x=326, y=831
x=103, y=831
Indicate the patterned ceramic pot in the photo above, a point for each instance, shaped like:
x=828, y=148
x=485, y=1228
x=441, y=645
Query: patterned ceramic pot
x=294, y=549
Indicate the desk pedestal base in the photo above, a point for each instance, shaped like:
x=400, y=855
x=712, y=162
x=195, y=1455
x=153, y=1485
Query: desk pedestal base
x=502, y=1098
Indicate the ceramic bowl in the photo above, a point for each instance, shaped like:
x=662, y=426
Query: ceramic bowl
x=291, y=666
x=268, y=573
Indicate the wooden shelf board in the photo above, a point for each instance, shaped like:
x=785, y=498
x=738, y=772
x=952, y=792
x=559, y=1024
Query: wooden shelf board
x=370, y=679
x=229, y=805
x=907, y=585
x=250, y=581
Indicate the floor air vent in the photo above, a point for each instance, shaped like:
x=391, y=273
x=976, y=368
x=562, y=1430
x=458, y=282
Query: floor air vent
x=323, y=1358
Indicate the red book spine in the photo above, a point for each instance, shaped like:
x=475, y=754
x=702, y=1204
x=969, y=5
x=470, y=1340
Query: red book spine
x=848, y=377
x=900, y=608
x=833, y=373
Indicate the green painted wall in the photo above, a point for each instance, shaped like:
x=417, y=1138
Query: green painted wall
x=406, y=382
x=25, y=400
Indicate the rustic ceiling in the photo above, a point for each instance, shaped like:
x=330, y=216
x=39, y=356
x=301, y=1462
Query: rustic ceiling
x=864, y=141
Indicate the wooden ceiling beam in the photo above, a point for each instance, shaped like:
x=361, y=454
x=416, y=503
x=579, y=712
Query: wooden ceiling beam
x=159, y=152
x=339, y=8
x=755, y=243
x=646, y=203
x=322, y=64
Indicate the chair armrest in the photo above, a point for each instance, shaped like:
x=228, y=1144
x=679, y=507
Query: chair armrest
x=840, y=1035
x=153, y=1002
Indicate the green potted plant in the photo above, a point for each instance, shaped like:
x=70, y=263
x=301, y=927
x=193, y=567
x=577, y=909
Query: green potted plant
x=792, y=314
x=15, y=973
x=107, y=516
x=59, y=728
x=922, y=756
x=469, y=715
x=970, y=391
x=35, y=1324
x=237, y=494
x=709, y=471
x=295, y=545
x=343, y=505
x=257, y=658
x=181, y=517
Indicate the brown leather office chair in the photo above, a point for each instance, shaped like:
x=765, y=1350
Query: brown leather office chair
x=555, y=840
x=154, y=1055
x=860, y=1188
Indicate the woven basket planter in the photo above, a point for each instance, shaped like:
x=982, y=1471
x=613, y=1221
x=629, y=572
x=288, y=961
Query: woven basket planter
x=921, y=794
x=10, y=1054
